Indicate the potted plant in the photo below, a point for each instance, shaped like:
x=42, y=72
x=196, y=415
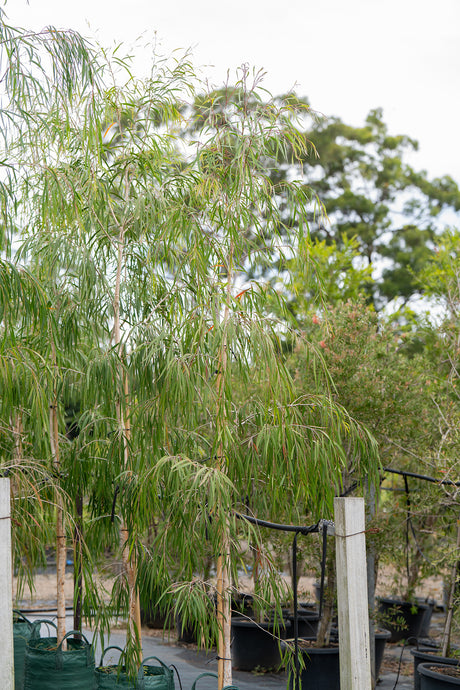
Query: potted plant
x=158, y=250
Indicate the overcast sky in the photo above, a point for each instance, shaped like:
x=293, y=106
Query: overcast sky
x=346, y=56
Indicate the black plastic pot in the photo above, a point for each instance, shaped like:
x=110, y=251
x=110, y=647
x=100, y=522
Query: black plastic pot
x=381, y=638
x=242, y=603
x=426, y=656
x=154, y=616
x=433, y=678
x=187, y=633
x=425, y=629
x=412, y=614
x=307, y=622
x=256, y=645
x=322, y=668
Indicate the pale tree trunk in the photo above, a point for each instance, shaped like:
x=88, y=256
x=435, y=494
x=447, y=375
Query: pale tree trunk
x=129, y=561
x=17, y=460
x=61, y=548
x=224, y=667
x=224, y=617
x=451, y=601
x=17, y=435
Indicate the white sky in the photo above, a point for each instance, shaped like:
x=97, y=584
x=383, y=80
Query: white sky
x=346, y=56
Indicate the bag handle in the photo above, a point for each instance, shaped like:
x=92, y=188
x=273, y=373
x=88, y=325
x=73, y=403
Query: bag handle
x=140, y=674
x=36, y=625
x=156, y=659
x=213, y=675
x=122, y=652
x=75, y=632
x=21, y=617
x=59, y=651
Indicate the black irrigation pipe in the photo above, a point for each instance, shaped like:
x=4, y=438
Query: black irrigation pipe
x=274, y=525
x=424, y=477
x=320, y=526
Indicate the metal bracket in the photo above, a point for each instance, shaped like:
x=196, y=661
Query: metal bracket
x=327, y=525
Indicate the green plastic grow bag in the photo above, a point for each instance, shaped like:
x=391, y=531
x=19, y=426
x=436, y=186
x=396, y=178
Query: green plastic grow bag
x=49, y=667
x=23, y=629
x=112, y=675
x=158, y=677
x=154, y=677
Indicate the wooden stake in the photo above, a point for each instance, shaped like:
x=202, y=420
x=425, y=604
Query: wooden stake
x=352, y=603
x=6, y=590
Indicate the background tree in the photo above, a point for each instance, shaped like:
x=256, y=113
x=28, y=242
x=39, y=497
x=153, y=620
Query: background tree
x=376, y=376
x=369, y=194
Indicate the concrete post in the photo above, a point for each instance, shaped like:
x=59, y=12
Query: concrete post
x=6, y=590
x=352, y=600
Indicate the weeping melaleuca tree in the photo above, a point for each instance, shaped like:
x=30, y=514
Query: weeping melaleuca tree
x=41, y=72
x=145, y=237
x=219, y=333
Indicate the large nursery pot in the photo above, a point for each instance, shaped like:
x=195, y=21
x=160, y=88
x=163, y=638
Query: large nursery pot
x=256, y=645
x=411, y=613
x=381, y=638
x=154, y=616
x=425, y=629
x=242, y=604
x=427, y=657
x=49, y=667
x=435, y=676
x=321, y=667
x=188, y=632
x=23, y=630
x=307, y=622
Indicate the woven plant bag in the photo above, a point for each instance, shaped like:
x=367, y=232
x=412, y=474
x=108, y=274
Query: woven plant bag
x=23, y=629
x=112, y=675
x=49, y=667
x=157, y=677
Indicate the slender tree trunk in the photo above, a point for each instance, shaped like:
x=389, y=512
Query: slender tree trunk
x=77, y=560
x=128, y=559
x=324, y=628
x=17, y=435
x=223, y=570
x=450, y=604
x=224, y=617
x=17, y=459
x=61, y=548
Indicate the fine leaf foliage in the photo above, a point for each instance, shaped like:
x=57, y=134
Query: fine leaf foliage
x=160, y=355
